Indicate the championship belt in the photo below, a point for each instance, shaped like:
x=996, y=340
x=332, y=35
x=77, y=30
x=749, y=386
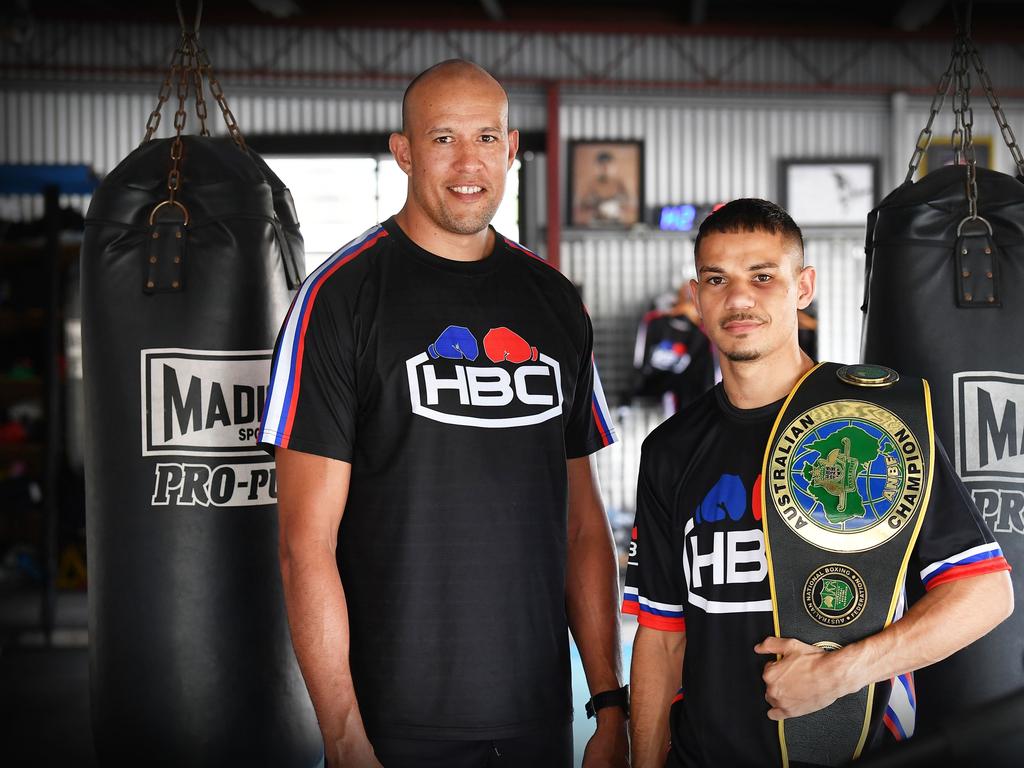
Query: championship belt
x=846, y=479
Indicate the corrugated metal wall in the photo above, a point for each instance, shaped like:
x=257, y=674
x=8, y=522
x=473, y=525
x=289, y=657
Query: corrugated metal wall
x=703, y=107
x=308, y=56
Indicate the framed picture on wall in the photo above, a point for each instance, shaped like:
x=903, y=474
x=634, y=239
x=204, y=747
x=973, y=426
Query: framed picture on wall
x=940, y=153
x=606, y=184
x=828, y=192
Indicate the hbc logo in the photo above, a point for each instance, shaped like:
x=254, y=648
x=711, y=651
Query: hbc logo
x=716, y=559
x=521, y=386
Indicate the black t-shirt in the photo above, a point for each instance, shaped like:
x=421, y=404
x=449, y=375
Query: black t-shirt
x=697, y=565
x=457, y=390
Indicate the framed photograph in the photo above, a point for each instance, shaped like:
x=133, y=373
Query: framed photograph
x=606, y=184
x=940, y=153
x=828, y=192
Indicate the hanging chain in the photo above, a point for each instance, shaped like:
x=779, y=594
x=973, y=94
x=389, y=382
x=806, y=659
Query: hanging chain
x=959, y=96
x=197, y=84
x=165, y=93
x=1004, y=126
x=218, y=94
x=180, y=117
x=925, y=137
x=189, y=66
x=967, y=118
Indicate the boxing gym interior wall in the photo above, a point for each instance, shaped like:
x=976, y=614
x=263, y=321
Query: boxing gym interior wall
x=717, y=114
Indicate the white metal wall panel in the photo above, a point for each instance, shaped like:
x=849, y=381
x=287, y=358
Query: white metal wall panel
x=100, y=127
x=839, y=262
x=701, y=150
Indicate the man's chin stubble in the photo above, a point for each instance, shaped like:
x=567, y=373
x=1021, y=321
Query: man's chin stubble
x=466, y=225
x=748, y=356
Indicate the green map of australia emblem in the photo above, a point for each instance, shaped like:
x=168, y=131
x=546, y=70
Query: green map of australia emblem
x=845, y=475
x=843, y=456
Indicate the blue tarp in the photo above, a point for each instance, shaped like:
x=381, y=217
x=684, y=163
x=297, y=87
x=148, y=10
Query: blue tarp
x=33, y=179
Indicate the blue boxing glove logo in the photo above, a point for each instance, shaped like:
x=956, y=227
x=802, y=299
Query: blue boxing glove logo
x=454, y=343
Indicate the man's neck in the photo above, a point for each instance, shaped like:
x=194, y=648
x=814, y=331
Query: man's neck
x=449, y=245
x=756, y=383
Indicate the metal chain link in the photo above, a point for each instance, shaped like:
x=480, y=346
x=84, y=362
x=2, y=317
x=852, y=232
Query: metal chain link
x=218, y=95
x=180, y=118
x=201, y=113
x=190, y=64
x=967, y=123
x=997, y=109
x=924, y=139
x=962, y=139
x=165, y=93
x=957, y=138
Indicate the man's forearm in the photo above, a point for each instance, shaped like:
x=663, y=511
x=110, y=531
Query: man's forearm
x=592, y=580
x=592, y=606
x=318, y=620
x=654, y=677
x=945, y=620
x=955, y=614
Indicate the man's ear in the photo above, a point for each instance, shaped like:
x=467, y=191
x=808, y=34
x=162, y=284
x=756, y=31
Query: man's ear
x=693, y=295
x=805, y=287
x=398, y=143
x=513, y=147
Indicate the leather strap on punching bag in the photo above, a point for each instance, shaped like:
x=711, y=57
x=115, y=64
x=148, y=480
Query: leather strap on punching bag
x=944, y=299
x=190, y=255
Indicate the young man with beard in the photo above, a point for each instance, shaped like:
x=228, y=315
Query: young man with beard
x=709, y=678
x=434, y=406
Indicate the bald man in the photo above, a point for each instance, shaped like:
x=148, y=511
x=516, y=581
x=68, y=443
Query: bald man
x=434, y=408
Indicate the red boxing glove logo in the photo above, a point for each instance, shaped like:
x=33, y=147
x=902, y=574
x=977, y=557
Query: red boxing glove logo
x=501, y=344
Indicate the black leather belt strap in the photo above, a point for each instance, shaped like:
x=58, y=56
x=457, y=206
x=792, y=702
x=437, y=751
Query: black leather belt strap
x=845, y=485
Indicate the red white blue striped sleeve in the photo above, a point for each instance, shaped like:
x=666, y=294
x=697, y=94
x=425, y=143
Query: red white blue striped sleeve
x=286, y=371
x=650, y=613
x=900, y=715
x=984, y=558
x=600, y=410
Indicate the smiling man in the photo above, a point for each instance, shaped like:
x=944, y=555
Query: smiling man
x=708, y=689
x=434, y=406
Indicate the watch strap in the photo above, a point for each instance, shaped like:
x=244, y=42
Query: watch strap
x=618, y=697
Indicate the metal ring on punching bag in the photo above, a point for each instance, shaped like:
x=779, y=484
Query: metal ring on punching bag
x=959, y=227
x=184, y=210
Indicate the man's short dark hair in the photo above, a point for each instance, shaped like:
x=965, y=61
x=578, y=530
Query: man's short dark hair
x=750, y=214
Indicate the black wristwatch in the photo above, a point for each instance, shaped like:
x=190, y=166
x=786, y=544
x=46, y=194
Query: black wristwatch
x=617, y=698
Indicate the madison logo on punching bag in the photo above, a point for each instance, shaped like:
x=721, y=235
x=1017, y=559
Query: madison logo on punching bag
x=208, y=404
x=503, y=381
x=989, y=435
x=199, y=403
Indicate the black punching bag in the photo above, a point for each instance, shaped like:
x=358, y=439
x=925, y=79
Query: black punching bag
x=191, y=660
x=950, y=308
